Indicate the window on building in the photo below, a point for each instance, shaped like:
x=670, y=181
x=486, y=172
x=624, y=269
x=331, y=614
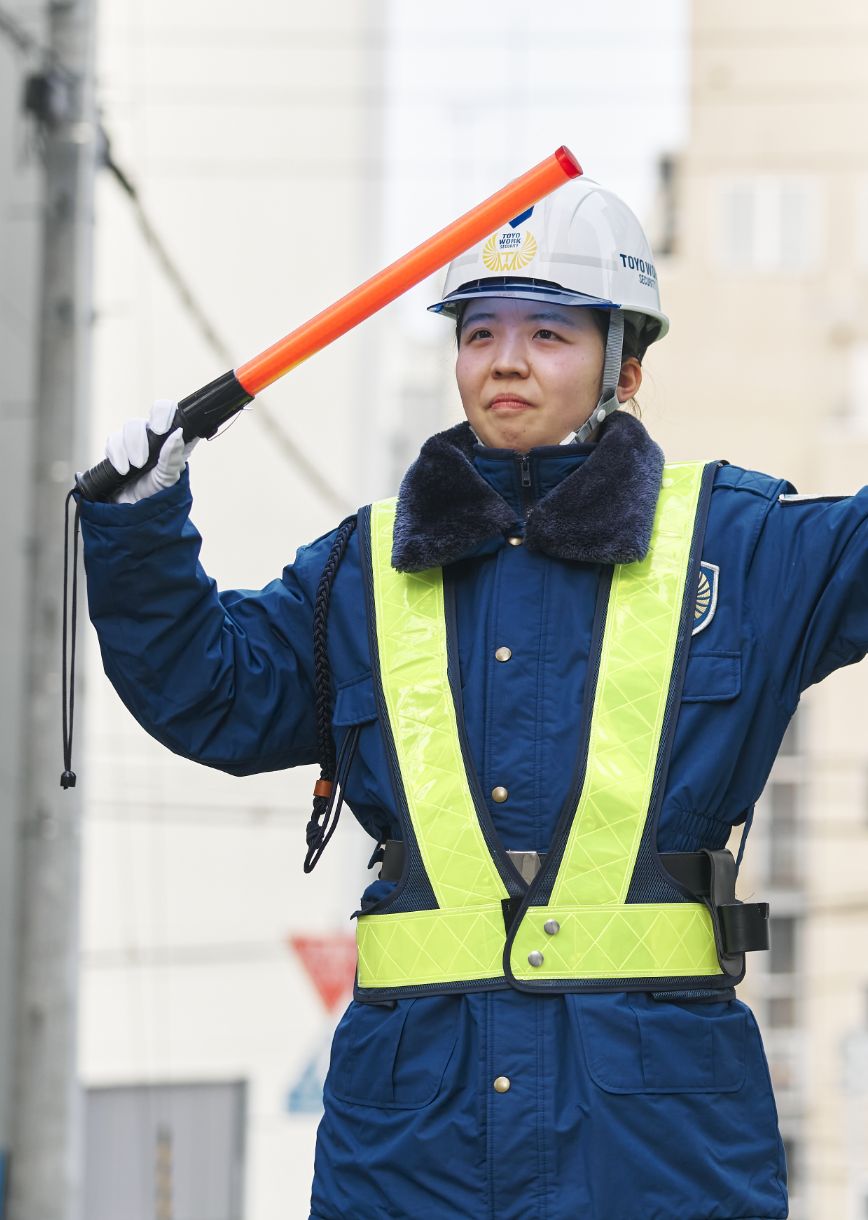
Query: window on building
x=769, y=224
x=783, y=934
x=782, y=1012
x=739, y=224
x=782, y=815
x=665, y=242
x=792, y=1151
x=861, y=242
x=792, y=742
x=165, y=1151
x=855, y=405
x=785, y=1077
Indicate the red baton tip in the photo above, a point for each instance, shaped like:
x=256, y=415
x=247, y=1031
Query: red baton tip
x=568, y=162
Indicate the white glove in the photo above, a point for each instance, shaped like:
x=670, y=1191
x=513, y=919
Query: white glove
x=129, y=447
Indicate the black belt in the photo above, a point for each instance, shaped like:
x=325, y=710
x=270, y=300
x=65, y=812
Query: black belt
x=739, y=927
x=526, y=863
x=709, y=876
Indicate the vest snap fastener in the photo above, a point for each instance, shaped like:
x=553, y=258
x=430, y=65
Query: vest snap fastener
x=551, y=926
x=503, y=654
x=499, y=794
x=501, y=1085
x=535, y=957
x=514, y=540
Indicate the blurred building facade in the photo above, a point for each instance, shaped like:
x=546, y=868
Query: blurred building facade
x=762, y=226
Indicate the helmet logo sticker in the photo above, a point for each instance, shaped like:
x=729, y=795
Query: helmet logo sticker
x=706, y=596
x=647, y=271
x=509, y=250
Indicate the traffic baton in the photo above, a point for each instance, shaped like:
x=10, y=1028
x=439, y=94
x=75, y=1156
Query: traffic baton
x=204, y=411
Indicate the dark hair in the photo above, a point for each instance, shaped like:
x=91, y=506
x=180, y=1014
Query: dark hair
x=635, y=340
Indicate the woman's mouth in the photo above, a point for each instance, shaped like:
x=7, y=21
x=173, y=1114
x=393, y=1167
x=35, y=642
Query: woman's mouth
x=509, y=402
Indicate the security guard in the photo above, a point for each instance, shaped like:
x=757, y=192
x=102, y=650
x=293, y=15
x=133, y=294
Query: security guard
x=548, y=679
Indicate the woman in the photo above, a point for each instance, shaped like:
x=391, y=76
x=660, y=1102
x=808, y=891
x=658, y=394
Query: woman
x=546, y=682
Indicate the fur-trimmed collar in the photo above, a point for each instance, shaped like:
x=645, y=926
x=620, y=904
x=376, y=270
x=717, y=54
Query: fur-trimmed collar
x=602, y=512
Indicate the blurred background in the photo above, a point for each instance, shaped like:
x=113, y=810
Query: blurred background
x=180, y=184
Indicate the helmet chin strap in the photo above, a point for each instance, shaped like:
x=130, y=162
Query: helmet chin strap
x=611, y=373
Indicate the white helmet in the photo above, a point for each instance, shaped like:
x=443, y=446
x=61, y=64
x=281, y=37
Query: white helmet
x=580, y=246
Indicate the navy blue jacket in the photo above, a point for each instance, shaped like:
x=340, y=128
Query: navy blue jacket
x=620, y=1107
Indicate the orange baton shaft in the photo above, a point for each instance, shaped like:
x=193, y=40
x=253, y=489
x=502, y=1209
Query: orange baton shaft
x=407, y=271
x=204, y=411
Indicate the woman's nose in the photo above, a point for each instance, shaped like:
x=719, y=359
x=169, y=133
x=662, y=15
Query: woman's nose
x=510, y=358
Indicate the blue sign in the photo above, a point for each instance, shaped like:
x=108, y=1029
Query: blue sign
x=305, y=1096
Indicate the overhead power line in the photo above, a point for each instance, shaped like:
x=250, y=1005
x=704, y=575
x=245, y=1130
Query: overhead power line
x=30, y=45
x=16, y=32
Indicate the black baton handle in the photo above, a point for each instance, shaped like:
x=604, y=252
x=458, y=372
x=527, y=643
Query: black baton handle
x=200, y=414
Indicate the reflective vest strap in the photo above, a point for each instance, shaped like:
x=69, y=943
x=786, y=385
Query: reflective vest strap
x=638, y=941
x=636, y=661
x=412, y=647
x=585, y=931
x=417, y=947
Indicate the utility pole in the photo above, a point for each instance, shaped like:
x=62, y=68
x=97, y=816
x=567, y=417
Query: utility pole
x=45, y=1170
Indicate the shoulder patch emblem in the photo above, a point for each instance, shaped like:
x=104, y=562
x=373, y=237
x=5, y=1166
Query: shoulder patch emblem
x=706, y=596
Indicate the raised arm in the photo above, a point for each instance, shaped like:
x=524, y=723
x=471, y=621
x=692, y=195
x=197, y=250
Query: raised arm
x=222, y=678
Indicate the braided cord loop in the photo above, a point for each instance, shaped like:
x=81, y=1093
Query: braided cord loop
x=324, y=815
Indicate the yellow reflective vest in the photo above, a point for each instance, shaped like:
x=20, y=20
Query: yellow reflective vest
x=461, y=916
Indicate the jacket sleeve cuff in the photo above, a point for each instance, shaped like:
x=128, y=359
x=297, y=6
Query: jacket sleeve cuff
x=120, y=516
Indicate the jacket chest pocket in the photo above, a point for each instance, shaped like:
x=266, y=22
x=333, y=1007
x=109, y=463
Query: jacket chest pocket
x=712, y=677
x=634, y=1044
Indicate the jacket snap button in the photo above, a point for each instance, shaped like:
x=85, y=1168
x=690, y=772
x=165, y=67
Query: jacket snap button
x=501, y=1085
x=535, y=957
x=514, y=540
x=551, y=926
x=503, y=654
x=499, y=794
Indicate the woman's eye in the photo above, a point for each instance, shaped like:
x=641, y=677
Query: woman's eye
x=546, y=334
x=479, y=333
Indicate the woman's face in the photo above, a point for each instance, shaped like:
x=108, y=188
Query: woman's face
x=528, y=372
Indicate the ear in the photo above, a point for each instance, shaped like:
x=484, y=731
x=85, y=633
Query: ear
x=630, y=379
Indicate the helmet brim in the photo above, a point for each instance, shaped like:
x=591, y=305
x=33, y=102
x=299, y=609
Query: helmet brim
x=520, y=290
